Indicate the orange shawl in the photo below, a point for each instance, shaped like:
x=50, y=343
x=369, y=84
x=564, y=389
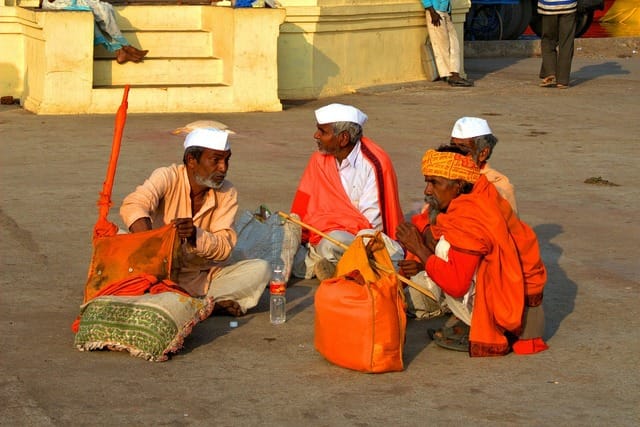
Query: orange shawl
x=321, y=201
x=511, y=268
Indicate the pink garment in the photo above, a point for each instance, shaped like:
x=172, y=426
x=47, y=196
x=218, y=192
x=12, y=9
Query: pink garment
x=502, y=184
x=164, y=196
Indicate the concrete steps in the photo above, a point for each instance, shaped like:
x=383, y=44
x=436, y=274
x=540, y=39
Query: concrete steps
x=158, y=72
x=173, y=18
x=165, y=99
x=201, y=59
x=180, y=72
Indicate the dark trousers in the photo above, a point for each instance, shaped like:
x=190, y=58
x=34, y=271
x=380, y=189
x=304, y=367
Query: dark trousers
x=556, y=44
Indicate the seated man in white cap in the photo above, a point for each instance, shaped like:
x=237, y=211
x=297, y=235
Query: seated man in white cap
x=196, y=197
x=474, y=135
x=348, y=186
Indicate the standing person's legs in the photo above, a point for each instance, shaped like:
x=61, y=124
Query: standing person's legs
x=454, y=44
x=446, y=50
x=548, y=44
x=566, y=35
x=241, y=283
x=440, y=43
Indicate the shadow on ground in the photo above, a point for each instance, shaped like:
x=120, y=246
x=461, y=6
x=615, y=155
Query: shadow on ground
x=560, y=291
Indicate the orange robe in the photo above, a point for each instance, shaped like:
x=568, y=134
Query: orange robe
x=322, y=202
x=511, y=273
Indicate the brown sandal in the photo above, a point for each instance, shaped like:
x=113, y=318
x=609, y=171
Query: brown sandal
x=549, y=81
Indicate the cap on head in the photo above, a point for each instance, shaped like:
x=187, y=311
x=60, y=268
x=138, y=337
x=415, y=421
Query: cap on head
x=212, y=138
x=450, y=165
x=470, y=127
x=340, y=113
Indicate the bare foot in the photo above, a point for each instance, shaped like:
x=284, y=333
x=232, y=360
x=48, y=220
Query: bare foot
x=130, y=53
x=227, y=307
x=121, y=56
x=135, y=53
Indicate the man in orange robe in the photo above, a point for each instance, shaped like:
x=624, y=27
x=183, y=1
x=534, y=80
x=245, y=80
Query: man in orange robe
x=349, y=186
x=483, y=258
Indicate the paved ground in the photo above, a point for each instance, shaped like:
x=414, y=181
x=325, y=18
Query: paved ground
x=551, y=141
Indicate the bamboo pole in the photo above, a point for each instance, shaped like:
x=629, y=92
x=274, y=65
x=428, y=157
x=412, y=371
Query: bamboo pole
x=403, y=279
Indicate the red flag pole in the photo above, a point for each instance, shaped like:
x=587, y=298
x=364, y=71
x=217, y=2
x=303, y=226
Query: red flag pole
x=103, y=227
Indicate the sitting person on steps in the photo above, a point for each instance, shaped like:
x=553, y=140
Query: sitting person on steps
x=106, y=31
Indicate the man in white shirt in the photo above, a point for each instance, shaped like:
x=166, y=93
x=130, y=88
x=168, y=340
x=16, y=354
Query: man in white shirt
x=348, y=186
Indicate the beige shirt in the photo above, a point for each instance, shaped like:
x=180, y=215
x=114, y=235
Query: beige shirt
x=164, y=196
x=502, y=184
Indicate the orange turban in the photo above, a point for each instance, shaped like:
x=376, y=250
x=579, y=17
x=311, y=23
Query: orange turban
x=450, y=166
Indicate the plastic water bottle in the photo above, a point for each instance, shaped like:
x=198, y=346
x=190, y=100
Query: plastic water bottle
x=277, y=298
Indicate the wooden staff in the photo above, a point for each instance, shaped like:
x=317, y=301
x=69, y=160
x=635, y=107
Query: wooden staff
x=403, y=279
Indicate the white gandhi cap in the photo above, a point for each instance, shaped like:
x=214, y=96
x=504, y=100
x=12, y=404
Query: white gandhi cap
x=470, y=127
x=340, y=113
x=212, y=138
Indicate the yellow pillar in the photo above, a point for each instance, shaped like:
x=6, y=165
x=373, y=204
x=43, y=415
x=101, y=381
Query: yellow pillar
x=59, y=63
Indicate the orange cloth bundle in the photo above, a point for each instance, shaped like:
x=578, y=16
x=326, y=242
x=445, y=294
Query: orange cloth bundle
x=154, y=252
x=360, y=320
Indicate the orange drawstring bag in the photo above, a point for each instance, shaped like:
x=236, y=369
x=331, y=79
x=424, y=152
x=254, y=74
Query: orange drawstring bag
x=117, y=257
x=360, y=320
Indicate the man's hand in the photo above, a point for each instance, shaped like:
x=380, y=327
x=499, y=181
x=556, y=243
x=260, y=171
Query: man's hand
x=410, y=267
x=435, y=17
x=429, y=240
x=186, y=229
x=140, y=224
x=412, y=240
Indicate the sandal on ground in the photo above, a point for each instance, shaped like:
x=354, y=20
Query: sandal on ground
x=457, y=330
x=455, y=337
x=459, y=82
x=561, y=86
x=227, y=307
x=455, y=343
x=549, y=81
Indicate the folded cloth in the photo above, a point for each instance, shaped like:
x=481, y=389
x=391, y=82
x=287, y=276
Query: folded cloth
x=529, y=346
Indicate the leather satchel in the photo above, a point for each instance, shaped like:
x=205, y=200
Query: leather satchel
x=360, y=320
x=154, y=252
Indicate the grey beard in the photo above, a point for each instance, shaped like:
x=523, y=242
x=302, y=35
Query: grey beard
x=207, y=182
x=434, y=208
x=475, y=156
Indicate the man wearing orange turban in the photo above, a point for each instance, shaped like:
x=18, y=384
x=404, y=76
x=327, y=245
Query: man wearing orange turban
x=482, y=260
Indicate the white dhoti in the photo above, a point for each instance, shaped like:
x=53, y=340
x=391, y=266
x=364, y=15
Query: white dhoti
x=242, y=282
x=423, y=307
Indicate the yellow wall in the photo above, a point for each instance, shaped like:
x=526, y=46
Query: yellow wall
x=330, y=47
x=310, y=49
